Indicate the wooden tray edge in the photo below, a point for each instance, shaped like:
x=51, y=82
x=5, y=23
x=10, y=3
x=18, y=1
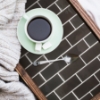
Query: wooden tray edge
x=86, y=17
x=33, y=87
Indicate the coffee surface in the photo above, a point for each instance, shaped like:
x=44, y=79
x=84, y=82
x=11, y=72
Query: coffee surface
x=39, y=29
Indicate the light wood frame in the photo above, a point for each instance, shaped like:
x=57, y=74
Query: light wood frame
x=34, y=88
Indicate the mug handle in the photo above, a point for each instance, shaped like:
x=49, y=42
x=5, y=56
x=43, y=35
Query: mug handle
x=26, y=17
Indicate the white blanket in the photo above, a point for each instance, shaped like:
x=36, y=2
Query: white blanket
x=92, y=7
x=10, y=87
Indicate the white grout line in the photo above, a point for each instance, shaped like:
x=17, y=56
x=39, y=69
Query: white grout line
x=28, y=59
x=61, y=77
x=42, y=77
x=89, y=48
x=33, y=61
x=86, y=43
x=86, y=65
x=72, y=25
x=57, y=95
x=96, y=78
x=91, y=94
x=75, y=95
x=58, y=6
x=45, y=57
x=42, y=69
x=32, y=5
x=24, y=55
x=84, y=95
x=94, y=88
x=82, y=60
x=78, y=78
x=51, y=4
x=63, y=9
x=74, y=30
x=68, y=42
x=69, y=19
x=98, y=57
x=28, y=66
x=39, y=4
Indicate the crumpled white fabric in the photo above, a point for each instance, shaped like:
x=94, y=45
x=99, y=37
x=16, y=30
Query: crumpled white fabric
x=92, y=7
x=10, y=87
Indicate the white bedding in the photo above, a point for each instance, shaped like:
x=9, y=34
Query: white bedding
x=92, y=7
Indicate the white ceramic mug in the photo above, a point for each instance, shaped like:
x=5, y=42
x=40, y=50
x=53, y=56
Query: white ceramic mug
x=28, y=21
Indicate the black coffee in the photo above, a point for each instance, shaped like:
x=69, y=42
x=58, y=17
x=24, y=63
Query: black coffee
x=39, y=29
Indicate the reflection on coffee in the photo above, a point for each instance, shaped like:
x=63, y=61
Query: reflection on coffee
x=39, y=29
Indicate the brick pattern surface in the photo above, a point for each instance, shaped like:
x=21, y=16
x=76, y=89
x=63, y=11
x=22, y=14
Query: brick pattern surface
x=60, y=81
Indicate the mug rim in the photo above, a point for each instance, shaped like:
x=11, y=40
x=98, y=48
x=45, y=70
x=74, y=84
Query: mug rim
x=26, y=32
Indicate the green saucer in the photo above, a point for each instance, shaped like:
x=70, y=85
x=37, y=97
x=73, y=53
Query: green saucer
x=55, y=40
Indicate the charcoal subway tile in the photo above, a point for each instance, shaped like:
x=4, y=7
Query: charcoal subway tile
x=51, y=85
x=34, y=6
x=98, y=75
x=86, y=87
x=77, y=49
x=38, y=80
x=32, y=57
x=89, y=69
x=72, y=69
x=23, y=51
x=29, y=3
x=77, y=21
x=91, y=39
x=32, y=70
x=96, y=90
x=67, y=14
x=64, y=45
x=46, y=3
x=87, y=97
x=67, y=29
x=78, y=34
x=52, y=96
x=91, y=53
x=62, y=3
x=68, y=86
x=24, y=61
x=52, y=69
x=70, y=97
x=54, y=8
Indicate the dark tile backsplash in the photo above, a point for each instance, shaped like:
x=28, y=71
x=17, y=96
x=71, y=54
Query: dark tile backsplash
x=62, y=3
x=52, y=96
x=77, y=21
x=89, y=69
x=70, y=97
x=51, y=84
x=67, y=14
x=68, y=86
x=54, y=8
x=59, y=81
x=67, y=29
x=87, y=97
x=91, y=39
x=72, y=69
x=64, y=45
x=91, y=53
x=86, y=87
x=46, y=3
x=38, y=80
x=78, y=34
